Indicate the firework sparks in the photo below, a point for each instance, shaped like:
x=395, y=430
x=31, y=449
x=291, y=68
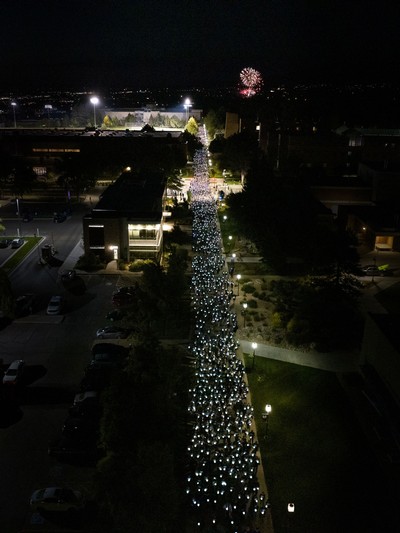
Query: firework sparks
x=251, y=81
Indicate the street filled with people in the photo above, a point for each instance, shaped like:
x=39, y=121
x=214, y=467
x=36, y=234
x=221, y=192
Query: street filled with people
x=222, y=482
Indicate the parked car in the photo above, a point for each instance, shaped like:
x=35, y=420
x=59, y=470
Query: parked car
x=55, y=306
x=16, y=243
x=86, y=403
x=125, y=290
x=5, y=243
x=80, y=427
x=74, y=450
x=59, y=217
x=96, y=378
x=81, y=397
x=112, y=332
x=374, y=270
x=24, y=305
x=56, y=499
x=27, y=216
x=123, y=298
x=68, y=275
x=105, y=361
x=14, y=372
x=115, y=315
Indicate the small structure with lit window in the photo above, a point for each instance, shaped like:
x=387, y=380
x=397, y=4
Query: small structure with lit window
x=127, y=222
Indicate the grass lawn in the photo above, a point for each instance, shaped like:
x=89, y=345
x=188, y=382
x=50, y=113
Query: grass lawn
x=315, y=454
x=17, y=257
x=252, y=269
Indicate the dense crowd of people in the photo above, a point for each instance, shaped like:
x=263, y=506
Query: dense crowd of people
x=222, y=483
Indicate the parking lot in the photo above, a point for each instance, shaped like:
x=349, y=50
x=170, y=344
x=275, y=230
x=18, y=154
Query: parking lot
x=56, y=351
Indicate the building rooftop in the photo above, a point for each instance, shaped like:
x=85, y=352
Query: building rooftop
x=86, y=132
x=135, y=196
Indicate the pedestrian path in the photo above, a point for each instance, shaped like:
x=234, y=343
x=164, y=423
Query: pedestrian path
x=332, y=361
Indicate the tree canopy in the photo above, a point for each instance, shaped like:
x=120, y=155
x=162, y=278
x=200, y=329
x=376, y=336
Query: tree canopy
x=285, y=221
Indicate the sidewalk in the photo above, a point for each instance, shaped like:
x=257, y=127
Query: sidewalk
x=71, y=260
x=332, y=361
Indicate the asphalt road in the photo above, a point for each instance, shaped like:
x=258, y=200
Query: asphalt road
x=56, y=354
x=56, y=351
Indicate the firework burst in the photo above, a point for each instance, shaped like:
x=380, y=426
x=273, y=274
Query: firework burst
x=251, y=82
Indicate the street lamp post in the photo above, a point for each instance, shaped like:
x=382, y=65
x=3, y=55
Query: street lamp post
x=290, y=509
x=265, y=416
x=373, y=271
x=254, y=346
x=48, y=107
x=230, y=242
x=94, y=100
x=238, y=276
x=244, y=313
x=14, y=104
x=187, y=104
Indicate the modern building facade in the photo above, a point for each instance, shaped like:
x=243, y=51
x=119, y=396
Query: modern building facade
x=127, y=222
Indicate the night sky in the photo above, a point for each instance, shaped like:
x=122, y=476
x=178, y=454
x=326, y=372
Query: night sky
x=160, y=43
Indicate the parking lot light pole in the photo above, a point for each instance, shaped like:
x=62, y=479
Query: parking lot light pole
x=254, y=346
x=14, y=104
x=238, y=276
x=94, y=100
x=265, y=416
x=244, y=313
x=290, y=509
x=373, y=270
x=230, y=242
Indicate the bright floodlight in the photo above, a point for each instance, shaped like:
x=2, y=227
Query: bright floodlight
x=187, y=104
x=254, y=345
x=268, y=408
x=290, y=507
x=94, y=100
x=14, y=104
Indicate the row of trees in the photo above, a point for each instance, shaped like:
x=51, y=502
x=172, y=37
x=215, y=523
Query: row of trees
x=285, y=221
x=79, y=171
x=138, y=483
x=317, y=312
x=16, y=175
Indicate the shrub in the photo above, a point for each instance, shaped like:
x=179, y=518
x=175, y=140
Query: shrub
x=139, y=264
x=252, y=304
x=248, y=288
x=122, y=265
x=276, y=321
x=90, y=262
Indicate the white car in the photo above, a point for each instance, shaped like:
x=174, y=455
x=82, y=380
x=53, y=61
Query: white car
x=55, y=306
x=14, y=372
x=16, y=243
x=85, y=396
x=56, y=499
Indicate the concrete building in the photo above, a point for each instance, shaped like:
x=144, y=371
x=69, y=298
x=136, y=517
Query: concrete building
x=127, y=222
x=159, y=118
x=43, y=149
